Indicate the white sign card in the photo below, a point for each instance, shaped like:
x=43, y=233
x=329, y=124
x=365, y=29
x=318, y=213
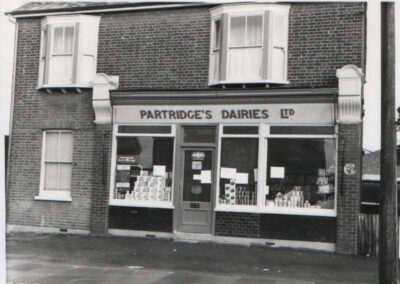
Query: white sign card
x=197, y=177
x=266, y=189
x=205, y=176
x=196, y=165
x=242, y=178
x=159, y=171
x=277, y=172
x=123, y=184
x=228, y=173
x=123, y=167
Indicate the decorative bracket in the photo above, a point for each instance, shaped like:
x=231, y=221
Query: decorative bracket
x=102, y=84
x=351, y=80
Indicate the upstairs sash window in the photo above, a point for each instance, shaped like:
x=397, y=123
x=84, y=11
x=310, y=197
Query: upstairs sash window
x=68, y=51
x=249, y=44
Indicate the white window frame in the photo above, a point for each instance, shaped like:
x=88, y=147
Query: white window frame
x=213, y=50
x=245, y=31
x=52, y=195
x=82, y=25
x=228, y=207
x=142, y=203
x=264, y=135
x=63, y=41
x=237, y=10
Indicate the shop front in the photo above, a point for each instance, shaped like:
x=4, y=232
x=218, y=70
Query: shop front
x=225, y=169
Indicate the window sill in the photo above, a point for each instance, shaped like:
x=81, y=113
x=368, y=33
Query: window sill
x=277, y=210
x=54, y=196
x=134, y=203
x=248, y=82
x=63, y=86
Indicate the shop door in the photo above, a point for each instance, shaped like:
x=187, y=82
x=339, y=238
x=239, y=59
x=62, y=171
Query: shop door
x=197, y=191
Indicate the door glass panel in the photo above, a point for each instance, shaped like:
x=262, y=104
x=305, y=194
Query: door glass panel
x=197, y=176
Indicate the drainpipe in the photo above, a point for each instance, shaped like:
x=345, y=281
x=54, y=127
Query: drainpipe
x=13, y=21
x=4, y=194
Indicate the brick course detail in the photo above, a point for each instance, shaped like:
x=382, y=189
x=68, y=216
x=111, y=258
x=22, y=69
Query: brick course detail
x=237, y=224
x=272, y=226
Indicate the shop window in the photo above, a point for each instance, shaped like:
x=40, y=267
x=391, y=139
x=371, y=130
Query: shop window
x=144, y=168
x=56, y=170
x=68, y=51
x=301, y=173
x=249, y=44
x=238, y=167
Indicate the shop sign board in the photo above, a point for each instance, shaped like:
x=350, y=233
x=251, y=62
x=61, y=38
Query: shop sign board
x=315, y=113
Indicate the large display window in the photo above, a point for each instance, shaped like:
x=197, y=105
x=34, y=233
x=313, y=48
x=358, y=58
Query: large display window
x=238, y=166
x=283, y=170
x=301, y=173
x=144, y=159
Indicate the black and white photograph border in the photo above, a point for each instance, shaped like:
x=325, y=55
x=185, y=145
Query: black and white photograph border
x=190, y=142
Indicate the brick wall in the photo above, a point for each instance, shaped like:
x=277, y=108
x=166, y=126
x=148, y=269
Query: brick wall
x=237, y=224
x=101, y=182
x=273, y=226
x=323, y=38
x=33, y=111
x=300, y=228
x=348, y=196
x=169, y=49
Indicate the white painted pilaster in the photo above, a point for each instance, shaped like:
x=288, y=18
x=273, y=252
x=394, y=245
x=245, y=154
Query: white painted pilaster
x=351, y=80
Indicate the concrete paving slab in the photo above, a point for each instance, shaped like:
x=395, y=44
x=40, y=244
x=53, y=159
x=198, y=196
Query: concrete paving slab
x=293, y=281
x=178, y=277
x=52, y=258
x=33, y=276
x=247, y=280
x=220, y=279
x=24, y=266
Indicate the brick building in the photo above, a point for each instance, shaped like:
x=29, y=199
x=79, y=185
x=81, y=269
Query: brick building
x=236, y=121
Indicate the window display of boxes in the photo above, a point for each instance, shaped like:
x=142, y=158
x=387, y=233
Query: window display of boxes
x=150, y=188
x=135, y=183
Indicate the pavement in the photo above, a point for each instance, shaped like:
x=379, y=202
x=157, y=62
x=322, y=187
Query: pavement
x=50, y=258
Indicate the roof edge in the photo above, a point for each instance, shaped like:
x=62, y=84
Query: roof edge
x=110, y=7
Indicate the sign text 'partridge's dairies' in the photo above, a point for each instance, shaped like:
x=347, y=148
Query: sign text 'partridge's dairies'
x=201, y=114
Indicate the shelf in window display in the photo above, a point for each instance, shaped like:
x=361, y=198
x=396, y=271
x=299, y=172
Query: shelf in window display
x=142, y=203
x=296, y=198
x=302, y=211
